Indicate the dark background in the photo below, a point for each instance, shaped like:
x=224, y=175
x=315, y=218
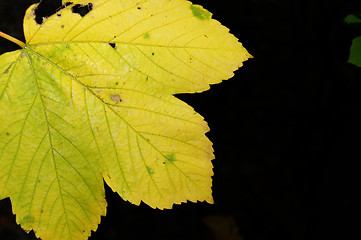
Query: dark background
x=285, y=131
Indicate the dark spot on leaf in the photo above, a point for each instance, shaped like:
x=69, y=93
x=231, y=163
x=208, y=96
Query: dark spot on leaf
x=82, y=10
x=139, y=8
x=113, y=45
x=62, y=26
x=7, y=134
x=116, y=83
x=146, y=79
x=206, y=36
x=152, y=53
x=46, y=9
x=59, y=15
x=42, y=211
x=163, y=162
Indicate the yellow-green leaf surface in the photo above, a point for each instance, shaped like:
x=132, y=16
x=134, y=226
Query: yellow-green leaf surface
x=91, y=98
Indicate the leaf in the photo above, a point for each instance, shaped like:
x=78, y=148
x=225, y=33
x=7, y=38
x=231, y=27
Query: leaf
x=90, y=97
x=352, y=19
x=355, y=52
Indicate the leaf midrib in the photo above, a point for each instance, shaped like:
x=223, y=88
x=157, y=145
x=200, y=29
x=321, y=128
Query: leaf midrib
x=129, y=43
x=50, y=141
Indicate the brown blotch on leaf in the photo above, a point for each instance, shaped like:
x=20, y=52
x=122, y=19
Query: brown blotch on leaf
x=116, y=98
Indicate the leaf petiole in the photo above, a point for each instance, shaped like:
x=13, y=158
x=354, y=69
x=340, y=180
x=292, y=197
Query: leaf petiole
x=12, y=39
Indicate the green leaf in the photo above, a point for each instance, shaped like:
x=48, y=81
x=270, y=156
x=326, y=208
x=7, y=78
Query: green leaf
x=352, y=19
x=355, y=52
x=90, y=97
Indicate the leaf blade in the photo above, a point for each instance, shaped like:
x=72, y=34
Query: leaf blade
x=355, y=51
x=174, y=27
x=99, y=96
x=44, y=146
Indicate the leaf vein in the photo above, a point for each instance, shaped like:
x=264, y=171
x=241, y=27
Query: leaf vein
x=20, y=140
x=71, y=165
x=100, y=21
x=145, y=166
x=50, y=139
x=115, y=149
x=173, y=138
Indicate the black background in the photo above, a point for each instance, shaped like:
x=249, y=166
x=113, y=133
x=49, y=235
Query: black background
x=285, y=131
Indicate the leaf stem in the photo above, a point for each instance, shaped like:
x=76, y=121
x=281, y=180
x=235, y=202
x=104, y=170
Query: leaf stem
x=12, y=39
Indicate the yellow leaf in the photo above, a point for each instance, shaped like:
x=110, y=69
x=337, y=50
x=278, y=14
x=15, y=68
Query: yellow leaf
x=90, y=97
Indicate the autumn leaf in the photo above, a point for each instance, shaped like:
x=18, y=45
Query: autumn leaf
x=89, y=96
